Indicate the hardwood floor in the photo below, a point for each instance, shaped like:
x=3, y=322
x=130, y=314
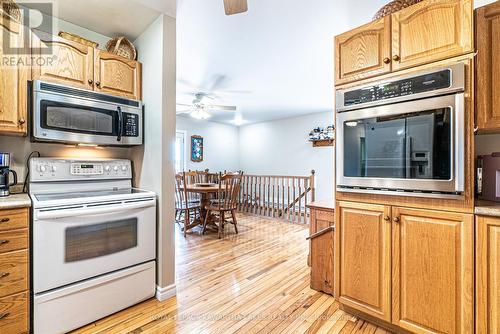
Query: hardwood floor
x=253, y=282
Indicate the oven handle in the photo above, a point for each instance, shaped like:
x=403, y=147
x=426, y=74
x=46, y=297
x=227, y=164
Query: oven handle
x=91, y=211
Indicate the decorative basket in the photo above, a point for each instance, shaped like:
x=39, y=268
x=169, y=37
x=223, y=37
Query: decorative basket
x=78, y=39
x=10, y=10
x=393, y=7
x=121, y=46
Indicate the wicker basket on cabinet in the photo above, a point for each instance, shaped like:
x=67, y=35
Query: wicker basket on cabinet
x=393, y=7
x=9, y=9
x=121, y=46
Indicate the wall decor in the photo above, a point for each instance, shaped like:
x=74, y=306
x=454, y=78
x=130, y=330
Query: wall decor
x=322, y=136
x=196, y=148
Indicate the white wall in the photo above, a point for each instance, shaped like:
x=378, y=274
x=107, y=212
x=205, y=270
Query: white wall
x=220, y=144
x=480, y=3
x=282, y=147
x=154, y=162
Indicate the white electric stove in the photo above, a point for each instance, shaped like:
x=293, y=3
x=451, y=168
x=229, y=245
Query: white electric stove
x=94, y=241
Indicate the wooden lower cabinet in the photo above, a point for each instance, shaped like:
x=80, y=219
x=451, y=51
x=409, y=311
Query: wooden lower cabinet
x=411, y=268
x=14, y=271
x=363, y=258
x=322, y=231
x=487, y=274
x=432, y=260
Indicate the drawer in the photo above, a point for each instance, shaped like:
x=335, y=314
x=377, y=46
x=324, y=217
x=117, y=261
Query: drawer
x=13, y=272
x=14, y=314
x=13, y=240
x=13, y=219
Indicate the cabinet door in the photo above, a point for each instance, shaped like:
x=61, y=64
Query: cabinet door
x=488, y=67
x=363, y=258
x=71, y=63
x=13, y=82
x=363, y=52
x=431, y=30
x=487, y=275
x=117, y=75
x=432, y=271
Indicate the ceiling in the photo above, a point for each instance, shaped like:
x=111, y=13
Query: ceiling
x=112, y=17
x=274, y=61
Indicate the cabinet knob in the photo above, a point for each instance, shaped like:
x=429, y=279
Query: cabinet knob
x=91, y=81
x=396, y=219
x=396, y=58
x=4, y=315
x=4, y=220
x=387, y=218
x=22, y=121
x=387, y=60
x=3, y=275
x=3, y=242
x=98, y=83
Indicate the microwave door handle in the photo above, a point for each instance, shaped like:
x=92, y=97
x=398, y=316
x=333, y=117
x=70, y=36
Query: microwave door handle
x=120, y=123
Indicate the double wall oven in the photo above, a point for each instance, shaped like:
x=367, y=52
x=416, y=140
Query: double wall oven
x=403, y=136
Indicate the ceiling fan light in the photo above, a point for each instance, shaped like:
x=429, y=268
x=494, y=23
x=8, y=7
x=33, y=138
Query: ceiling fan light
x=200, y=114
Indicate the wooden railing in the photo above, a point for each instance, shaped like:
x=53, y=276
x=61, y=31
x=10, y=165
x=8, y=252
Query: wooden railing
x=277, y=196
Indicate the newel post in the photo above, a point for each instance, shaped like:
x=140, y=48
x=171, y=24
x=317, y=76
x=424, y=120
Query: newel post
x=313, y=186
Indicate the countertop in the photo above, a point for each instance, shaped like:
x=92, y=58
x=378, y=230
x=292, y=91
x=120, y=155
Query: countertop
x=328, y=204
x=487, y=208
x=15, y=201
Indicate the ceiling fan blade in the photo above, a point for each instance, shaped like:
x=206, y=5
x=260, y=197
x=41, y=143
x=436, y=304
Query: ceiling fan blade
x=224, y=108
x=184, y=104
x=181, y=112
x=232, y=7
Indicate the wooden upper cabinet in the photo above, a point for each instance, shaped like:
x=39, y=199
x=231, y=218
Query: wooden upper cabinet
x=117, y=75
x=71, y=63
x=431, y=30
x=487, y=274
x=488, y=67
x=363, y=258
x=432, y=271
x=363, y=52
x=13, y=82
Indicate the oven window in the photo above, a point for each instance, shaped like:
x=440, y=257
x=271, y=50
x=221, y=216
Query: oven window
x=87, y=242
x=407, y=146
x=78, y=119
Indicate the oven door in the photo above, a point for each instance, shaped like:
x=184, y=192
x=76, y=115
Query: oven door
x=415, y=146
x=81, y=121
x=74, y=243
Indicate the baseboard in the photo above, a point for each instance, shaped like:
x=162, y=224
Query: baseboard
x=166, y=292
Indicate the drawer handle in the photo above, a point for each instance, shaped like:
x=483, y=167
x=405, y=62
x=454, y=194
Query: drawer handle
x=4, y=220
x=4, y=315
x=3, y=242
x=3, y=275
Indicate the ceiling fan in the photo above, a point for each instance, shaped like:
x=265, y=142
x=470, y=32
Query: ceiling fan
x=200, y=110
x=232, y=7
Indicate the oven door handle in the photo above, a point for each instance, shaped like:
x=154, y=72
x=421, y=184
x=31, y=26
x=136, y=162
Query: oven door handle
x=120, y=123
x=92, y=211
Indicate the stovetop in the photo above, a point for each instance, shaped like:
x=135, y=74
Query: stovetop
x=88, y=194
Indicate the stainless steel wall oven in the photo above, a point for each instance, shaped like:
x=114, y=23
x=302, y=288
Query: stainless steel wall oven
x=404, y=135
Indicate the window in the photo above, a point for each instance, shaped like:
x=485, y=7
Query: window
x=180, y=151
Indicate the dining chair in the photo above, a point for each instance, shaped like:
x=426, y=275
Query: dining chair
x=192, y=177
x=183, y=204
x=226, y=201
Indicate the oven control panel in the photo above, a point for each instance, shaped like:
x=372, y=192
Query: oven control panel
x=409, y=86
x=65, y=170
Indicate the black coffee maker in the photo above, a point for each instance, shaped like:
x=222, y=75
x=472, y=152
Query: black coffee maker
x=4, y=175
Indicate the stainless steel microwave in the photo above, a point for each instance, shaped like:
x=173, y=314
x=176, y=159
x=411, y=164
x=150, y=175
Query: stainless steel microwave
x=75, y=116
x=403, y=136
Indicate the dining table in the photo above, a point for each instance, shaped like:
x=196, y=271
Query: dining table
x=206, y=192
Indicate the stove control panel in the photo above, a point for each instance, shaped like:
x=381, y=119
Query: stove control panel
x=66, y=170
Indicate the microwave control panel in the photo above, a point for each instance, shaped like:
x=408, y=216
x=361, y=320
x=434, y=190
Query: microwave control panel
x=414, y=85
x=130, y=125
